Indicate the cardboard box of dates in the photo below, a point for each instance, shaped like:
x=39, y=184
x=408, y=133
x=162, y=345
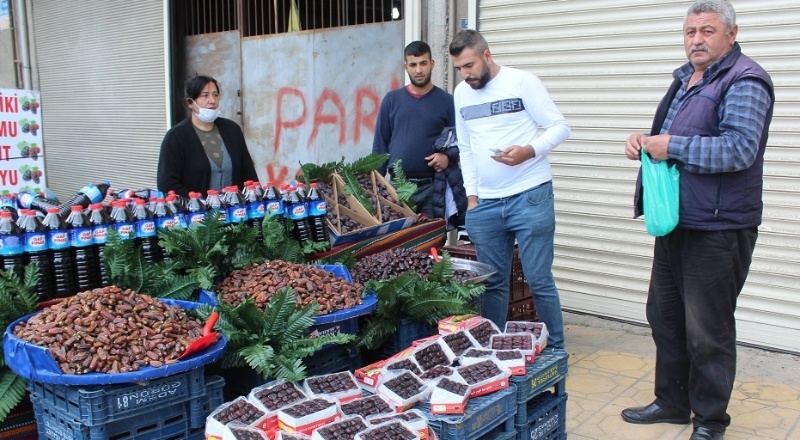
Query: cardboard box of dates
x=307, y=415
x=391, y=430
x=273, y=396
x=238, y=431
x=515, y=341
x=371, y=222
x=538, y=329
x=239, y=411
x=413, y=417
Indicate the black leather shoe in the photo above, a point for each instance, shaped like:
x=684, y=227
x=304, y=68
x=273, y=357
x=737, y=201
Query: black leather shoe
x=654, y=414
x=701, y=433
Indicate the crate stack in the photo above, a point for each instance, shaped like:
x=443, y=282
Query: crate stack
x=520, y=301
x=541, y=398
x=488, y=417
x=173, y=407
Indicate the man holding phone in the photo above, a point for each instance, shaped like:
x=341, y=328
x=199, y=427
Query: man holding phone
x=499, y=113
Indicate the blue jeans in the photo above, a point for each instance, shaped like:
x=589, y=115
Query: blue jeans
x=528, y=217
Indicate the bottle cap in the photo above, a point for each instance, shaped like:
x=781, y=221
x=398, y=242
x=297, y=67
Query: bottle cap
x=52, y=210
x=75, y=208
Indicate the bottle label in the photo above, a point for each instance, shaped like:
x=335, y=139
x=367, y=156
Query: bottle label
x=180, y=220
x=100, y=234
x=35, y=241
x=92, y=192
x=298, y=212
x=11, y=245
x=145, y=228
x=58, y=240
x=166, y=222
x=125, y=230
x=237, y=214
x=81, y=237
x=317, y=208
x=255, y=210
x=25, y=199
x=275, y=207
x=195, y=217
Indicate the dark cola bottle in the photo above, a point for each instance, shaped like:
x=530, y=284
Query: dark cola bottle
x=12, y=245
x=215, y=203
x=195, y=209
x=121, y=219
x=178, y=210
x=29, y=200
x=298, y=216
x=165, y=218
x=255, y=209
x=317, y=214
x=237, y=210
x=36, y=251
x=84, y=253
x=8, y=202
x=60, y=254
x=100, y=222
x=91, y=193
x=145, y=233
x=273, y=202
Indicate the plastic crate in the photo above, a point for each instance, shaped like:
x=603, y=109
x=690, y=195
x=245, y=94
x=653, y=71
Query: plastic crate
x=547, y=420
x=201, y=407
x=492, y=414
x=167, y=422
x=520, y=301
x=408, y=331
x=549, y=370
x=95, y=405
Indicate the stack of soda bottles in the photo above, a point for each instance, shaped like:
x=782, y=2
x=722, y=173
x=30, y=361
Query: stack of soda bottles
x=67, y=239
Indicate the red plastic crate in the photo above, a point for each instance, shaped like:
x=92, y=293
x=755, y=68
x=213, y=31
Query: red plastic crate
x=520, y=301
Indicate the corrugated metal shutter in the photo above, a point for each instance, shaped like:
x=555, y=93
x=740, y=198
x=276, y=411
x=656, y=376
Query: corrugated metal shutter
x=606, y=65
x=103, y=79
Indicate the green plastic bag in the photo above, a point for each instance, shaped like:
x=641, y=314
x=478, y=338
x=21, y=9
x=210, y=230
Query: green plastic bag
x=661, y=193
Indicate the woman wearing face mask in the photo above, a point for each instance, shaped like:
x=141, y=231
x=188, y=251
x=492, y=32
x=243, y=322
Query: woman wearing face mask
x=203, y=151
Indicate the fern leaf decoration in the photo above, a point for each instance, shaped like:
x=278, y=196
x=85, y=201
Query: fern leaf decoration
x=405, y=190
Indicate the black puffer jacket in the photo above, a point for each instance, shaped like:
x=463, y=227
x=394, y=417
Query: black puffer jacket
x=447, y=143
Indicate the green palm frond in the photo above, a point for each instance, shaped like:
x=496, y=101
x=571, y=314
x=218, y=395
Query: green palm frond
x=279, y=309
x=353, y=187
x=289, y=369
x=405, y=190
x=368, y=163
x=259, y=357
x=12, y=390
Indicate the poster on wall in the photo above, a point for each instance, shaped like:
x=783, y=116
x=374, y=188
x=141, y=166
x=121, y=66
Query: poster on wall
x=21, y=159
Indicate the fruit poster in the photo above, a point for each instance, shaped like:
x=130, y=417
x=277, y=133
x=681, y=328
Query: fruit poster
x=21, y=160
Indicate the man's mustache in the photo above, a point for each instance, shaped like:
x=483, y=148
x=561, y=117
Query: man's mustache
x=700, y=49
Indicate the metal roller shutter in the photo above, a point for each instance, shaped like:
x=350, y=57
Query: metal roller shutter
x=103, y=80
x=606, y=65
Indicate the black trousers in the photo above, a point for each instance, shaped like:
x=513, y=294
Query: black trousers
x=694, y=284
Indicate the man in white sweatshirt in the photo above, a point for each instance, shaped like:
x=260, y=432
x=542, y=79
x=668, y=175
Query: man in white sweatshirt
x=506, y=124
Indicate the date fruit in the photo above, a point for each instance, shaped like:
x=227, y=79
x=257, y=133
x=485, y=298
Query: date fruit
x=437, y=371
x=404, y=385
x=404, y=364
x=308, y=407
x=366, y=407
x=343, y=430
x=453, y=387
x=512, y=342
x=479, y=372
x=240, y=411
x=482, y=332
x=390, y=431
x=507, y=355
x=431, y=356
x=458, y=342
x=245, y=434
x=331, y=383
x=530, y=327
x=279, y=396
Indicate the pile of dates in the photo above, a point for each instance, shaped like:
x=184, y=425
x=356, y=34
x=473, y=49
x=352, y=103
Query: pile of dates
x=507, y=355
x=343, y=430
x=530, y=327
x=279, y=396
x=310, y=284
x=511, y=342
x=344, y=223
x=437, y=371
x=110, y=330
x=366, y=407
x=392, y=263
x=391, y=431
x=404, y=364
x=240, y=411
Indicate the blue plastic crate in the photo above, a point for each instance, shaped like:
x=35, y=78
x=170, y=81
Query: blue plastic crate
x=547, y=420
x=408, y=331
x=201, y=407
x=549, y=370
x=95, y=405
x=170, y=422
x=490, y=414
